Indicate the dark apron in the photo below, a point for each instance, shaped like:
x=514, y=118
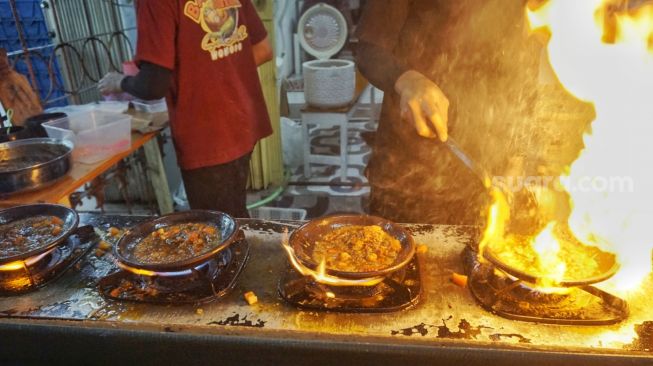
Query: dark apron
x=480, y=55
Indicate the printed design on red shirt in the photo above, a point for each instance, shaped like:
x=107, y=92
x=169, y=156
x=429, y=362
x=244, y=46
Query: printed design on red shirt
x=220, y=20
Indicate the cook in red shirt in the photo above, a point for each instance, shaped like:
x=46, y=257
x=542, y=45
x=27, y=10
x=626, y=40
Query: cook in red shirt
x=203, y=56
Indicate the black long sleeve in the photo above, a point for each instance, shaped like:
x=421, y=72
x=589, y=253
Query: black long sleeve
x=380, y=27
x=151, y=83
x=382, y=74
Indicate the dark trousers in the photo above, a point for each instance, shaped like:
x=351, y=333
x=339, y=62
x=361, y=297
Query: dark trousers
x=219, y=187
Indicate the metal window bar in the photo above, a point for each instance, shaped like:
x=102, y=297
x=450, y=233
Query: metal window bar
x=89, y=39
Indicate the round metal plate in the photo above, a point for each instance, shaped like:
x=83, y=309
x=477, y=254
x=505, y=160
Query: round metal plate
x=226, y=224
x=33, y=164
x=67, y=215
x=302, y=240
x=607, y=263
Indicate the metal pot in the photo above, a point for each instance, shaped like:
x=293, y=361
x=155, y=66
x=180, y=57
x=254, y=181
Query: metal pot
x=302, y=241
x=124, y=250
x=33, y=164
x=67, y=215
x=607, y=266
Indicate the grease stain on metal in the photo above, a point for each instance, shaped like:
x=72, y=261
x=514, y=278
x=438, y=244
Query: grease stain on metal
x=116, y=310
x=465, y=330
x=419, y=229
x=237, y=321
x=16, y=312
x=59, y=309
x=498, y=337
x=421, y=329
x=270, y=227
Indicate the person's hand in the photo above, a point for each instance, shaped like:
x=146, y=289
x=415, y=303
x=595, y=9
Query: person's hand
x=110, y=83
x=423, y=104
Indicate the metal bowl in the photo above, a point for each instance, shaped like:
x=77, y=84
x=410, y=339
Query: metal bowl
x=124, y=250
x=303, y=239
x=33, y=164
x=67, y=215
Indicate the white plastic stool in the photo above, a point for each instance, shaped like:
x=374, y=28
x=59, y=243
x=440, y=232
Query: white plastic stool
x=329, y=118
x=326, y=119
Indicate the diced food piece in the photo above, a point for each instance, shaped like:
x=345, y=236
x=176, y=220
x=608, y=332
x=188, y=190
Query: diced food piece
x=104, y=245
x=458, y=279
x=250, y=297
x=56, y=230
x=113, y=231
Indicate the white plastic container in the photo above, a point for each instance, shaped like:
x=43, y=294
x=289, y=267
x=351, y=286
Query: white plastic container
x=112, y=107
x=97, y=135
x=150, y=106
x=329, y=83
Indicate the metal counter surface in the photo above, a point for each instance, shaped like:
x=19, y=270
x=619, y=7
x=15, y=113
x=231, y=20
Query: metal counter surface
x=72, y=321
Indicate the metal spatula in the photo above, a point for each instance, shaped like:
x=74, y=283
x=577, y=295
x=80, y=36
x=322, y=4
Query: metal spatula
x=477, y=169
x=529, y=197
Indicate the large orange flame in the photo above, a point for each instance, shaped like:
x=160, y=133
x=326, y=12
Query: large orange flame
x=618, y=78
x=602, y=52
x=547, y=245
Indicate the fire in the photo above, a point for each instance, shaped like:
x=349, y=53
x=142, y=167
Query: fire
x=23, y=264
x=136, y=271
x=547, y=245
x=498, y=216
x=601, y=51
x=13, y=266
x=148, y=273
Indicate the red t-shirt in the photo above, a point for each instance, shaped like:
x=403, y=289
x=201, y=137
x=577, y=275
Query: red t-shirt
x=216, y=105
